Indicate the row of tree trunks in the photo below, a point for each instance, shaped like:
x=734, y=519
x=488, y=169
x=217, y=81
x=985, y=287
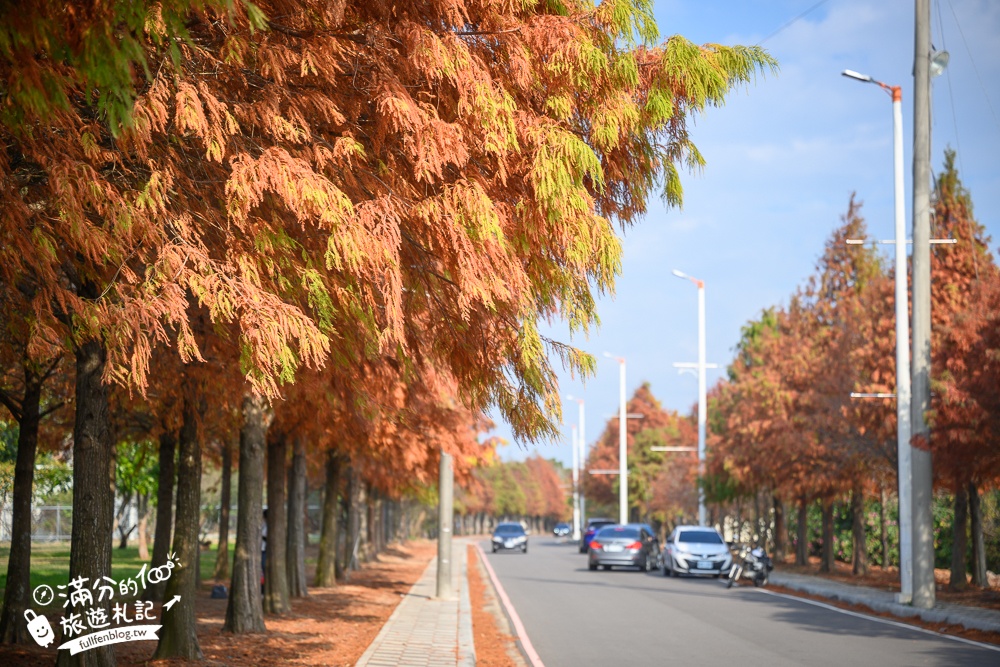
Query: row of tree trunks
x=179, y=638
x=17, y=596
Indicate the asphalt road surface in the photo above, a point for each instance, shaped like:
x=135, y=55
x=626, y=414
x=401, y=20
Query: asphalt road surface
x=624, y=617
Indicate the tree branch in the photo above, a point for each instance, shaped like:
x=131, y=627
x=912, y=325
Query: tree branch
x=12, y=404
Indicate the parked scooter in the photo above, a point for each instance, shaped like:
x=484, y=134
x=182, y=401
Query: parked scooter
x=752, y=563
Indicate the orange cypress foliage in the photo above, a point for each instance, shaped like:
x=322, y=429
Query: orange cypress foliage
x=965, y=276
x=325, y=174
x=660, y=484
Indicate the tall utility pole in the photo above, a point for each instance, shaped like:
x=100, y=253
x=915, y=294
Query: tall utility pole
x=923, y=526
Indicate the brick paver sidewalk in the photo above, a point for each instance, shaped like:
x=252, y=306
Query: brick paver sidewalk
x=425, y=631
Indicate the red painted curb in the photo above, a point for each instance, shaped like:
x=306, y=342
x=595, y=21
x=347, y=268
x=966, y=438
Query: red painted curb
x=522, y=635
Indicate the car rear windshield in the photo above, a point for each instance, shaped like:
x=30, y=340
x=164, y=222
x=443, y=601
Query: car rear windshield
x=510, y=530
x=597, y=525
x=618, y=531
x=700, y=537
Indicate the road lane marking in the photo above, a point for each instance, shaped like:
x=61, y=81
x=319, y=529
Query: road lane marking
x=879, y=619
x=522, y=634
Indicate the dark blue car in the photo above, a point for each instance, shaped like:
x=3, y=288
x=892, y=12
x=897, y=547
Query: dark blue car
x=593, y=525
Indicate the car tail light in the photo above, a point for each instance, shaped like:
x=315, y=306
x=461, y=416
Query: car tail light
x=594, y=544
x=635, y=546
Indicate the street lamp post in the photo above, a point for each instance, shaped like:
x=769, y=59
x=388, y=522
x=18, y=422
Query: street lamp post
x=902, y=342
x=576, y=487
x=579, y=454
x=702, y=401
x=622, y=448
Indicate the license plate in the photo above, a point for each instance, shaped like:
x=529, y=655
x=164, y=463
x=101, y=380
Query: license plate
x=704, y=565
x=509, y=545
x=614, y=547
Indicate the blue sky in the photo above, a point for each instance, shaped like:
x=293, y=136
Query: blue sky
x=783, y=157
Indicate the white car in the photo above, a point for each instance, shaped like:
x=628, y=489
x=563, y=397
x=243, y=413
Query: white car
x=696, y=550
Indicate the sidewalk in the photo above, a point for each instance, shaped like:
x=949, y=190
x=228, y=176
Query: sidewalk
x=973, y=618
x=425, y=631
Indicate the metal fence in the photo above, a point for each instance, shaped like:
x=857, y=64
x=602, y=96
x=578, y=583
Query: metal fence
x=54, y=523
x=49, y=523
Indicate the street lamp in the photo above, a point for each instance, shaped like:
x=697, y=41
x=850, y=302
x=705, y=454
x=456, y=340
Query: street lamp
x=576, y=486
x=622, y=449
x=579, y=455
x=902, y=341
x=702, y=401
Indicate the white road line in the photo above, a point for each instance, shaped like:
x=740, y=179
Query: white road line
x=879, y=619
x=522, y=634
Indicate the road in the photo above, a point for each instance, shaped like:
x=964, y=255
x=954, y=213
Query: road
x=577, y=617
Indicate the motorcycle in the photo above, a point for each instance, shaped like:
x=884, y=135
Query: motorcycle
x=752, y=563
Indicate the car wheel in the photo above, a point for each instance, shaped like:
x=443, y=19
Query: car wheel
x=494, y=549
x=524, y=549
x=592, y=566
x=664, y=570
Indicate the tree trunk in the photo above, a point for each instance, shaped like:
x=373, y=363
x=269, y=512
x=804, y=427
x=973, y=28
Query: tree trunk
x=326, y=566
x=225, y=500
x=17, y=596
x=142, y=539
x=93, y=492
x=120, y=518
x=883, y=528
x=179, y=638
x=276, y=573
x=371, y=525
x=354, y=518
x=802, y=534
x=960, y=541
x=859, y=555
x=297, y=521
x=245, y=611
x=826, y=556
x=164, y=510
x=978, y=542
x=780, y=529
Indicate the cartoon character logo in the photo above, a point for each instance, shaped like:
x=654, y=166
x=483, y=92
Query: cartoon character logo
x=39, y=628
